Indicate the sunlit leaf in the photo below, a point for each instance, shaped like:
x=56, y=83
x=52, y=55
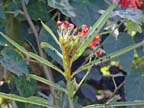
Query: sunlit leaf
x=32, y=100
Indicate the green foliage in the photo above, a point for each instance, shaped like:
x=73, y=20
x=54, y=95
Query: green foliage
x=87, y=11
x=94, y=30
x=25, y=87
x=64, y=6
x=13, y=62
x=13, y=5
x=31, y=54
x=32, y=100
x=51, y=37
x=112, y=44
x=15, y=25
x=132, y=28
x=89, y=92
x=2, y=13
x=134, y=86
x=38, y=10
x=46, y=82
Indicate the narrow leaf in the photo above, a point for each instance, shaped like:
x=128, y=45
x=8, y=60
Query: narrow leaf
x=116, y=104
x=32, y=100
x=40, y=79
x=50, y=32
x=32, y=55
x=46, y=45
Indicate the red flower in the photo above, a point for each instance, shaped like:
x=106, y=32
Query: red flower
x=65, y=24
x=84, y=31
x=99, y=52
x=59, y=23
x=92, y=44
x=124, y=3
x=132, y=3
x=95, y=41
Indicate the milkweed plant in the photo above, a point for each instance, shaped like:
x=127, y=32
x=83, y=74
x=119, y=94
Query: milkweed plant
x=73, y=41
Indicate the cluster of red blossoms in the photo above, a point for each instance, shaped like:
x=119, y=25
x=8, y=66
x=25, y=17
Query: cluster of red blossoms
x=96, y=40
x=65, y=25
x=84, y=31
x=131, y=3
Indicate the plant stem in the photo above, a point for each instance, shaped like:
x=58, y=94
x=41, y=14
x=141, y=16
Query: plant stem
x=70, y=102
x=70, y=89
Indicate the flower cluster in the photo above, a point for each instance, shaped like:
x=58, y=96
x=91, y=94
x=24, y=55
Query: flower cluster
x=131, y=3
x=71, y=37
x=84, y=31
x=65, y=30
x=65, y=24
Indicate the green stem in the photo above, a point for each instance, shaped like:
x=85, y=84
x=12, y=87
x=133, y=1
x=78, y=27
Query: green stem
x=116, y=104
x=70, y=99
x=70, y=89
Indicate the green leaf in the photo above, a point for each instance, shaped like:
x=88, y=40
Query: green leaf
x=50, y=38
x=50, y=32
x=13, y=62
x=45, y=61
x=32, y=100
x=87, y=11
x=25, y=87
x=133, y=27
x=89, y=92
x=46, y=45
x=2, y=13
x=134, y=86
x=111, y=44
x=40, y=79
x=62, y=5
x=116, y=104
x=32, y=55
x=38, y=10
x=93, y=31
x=13, y=5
